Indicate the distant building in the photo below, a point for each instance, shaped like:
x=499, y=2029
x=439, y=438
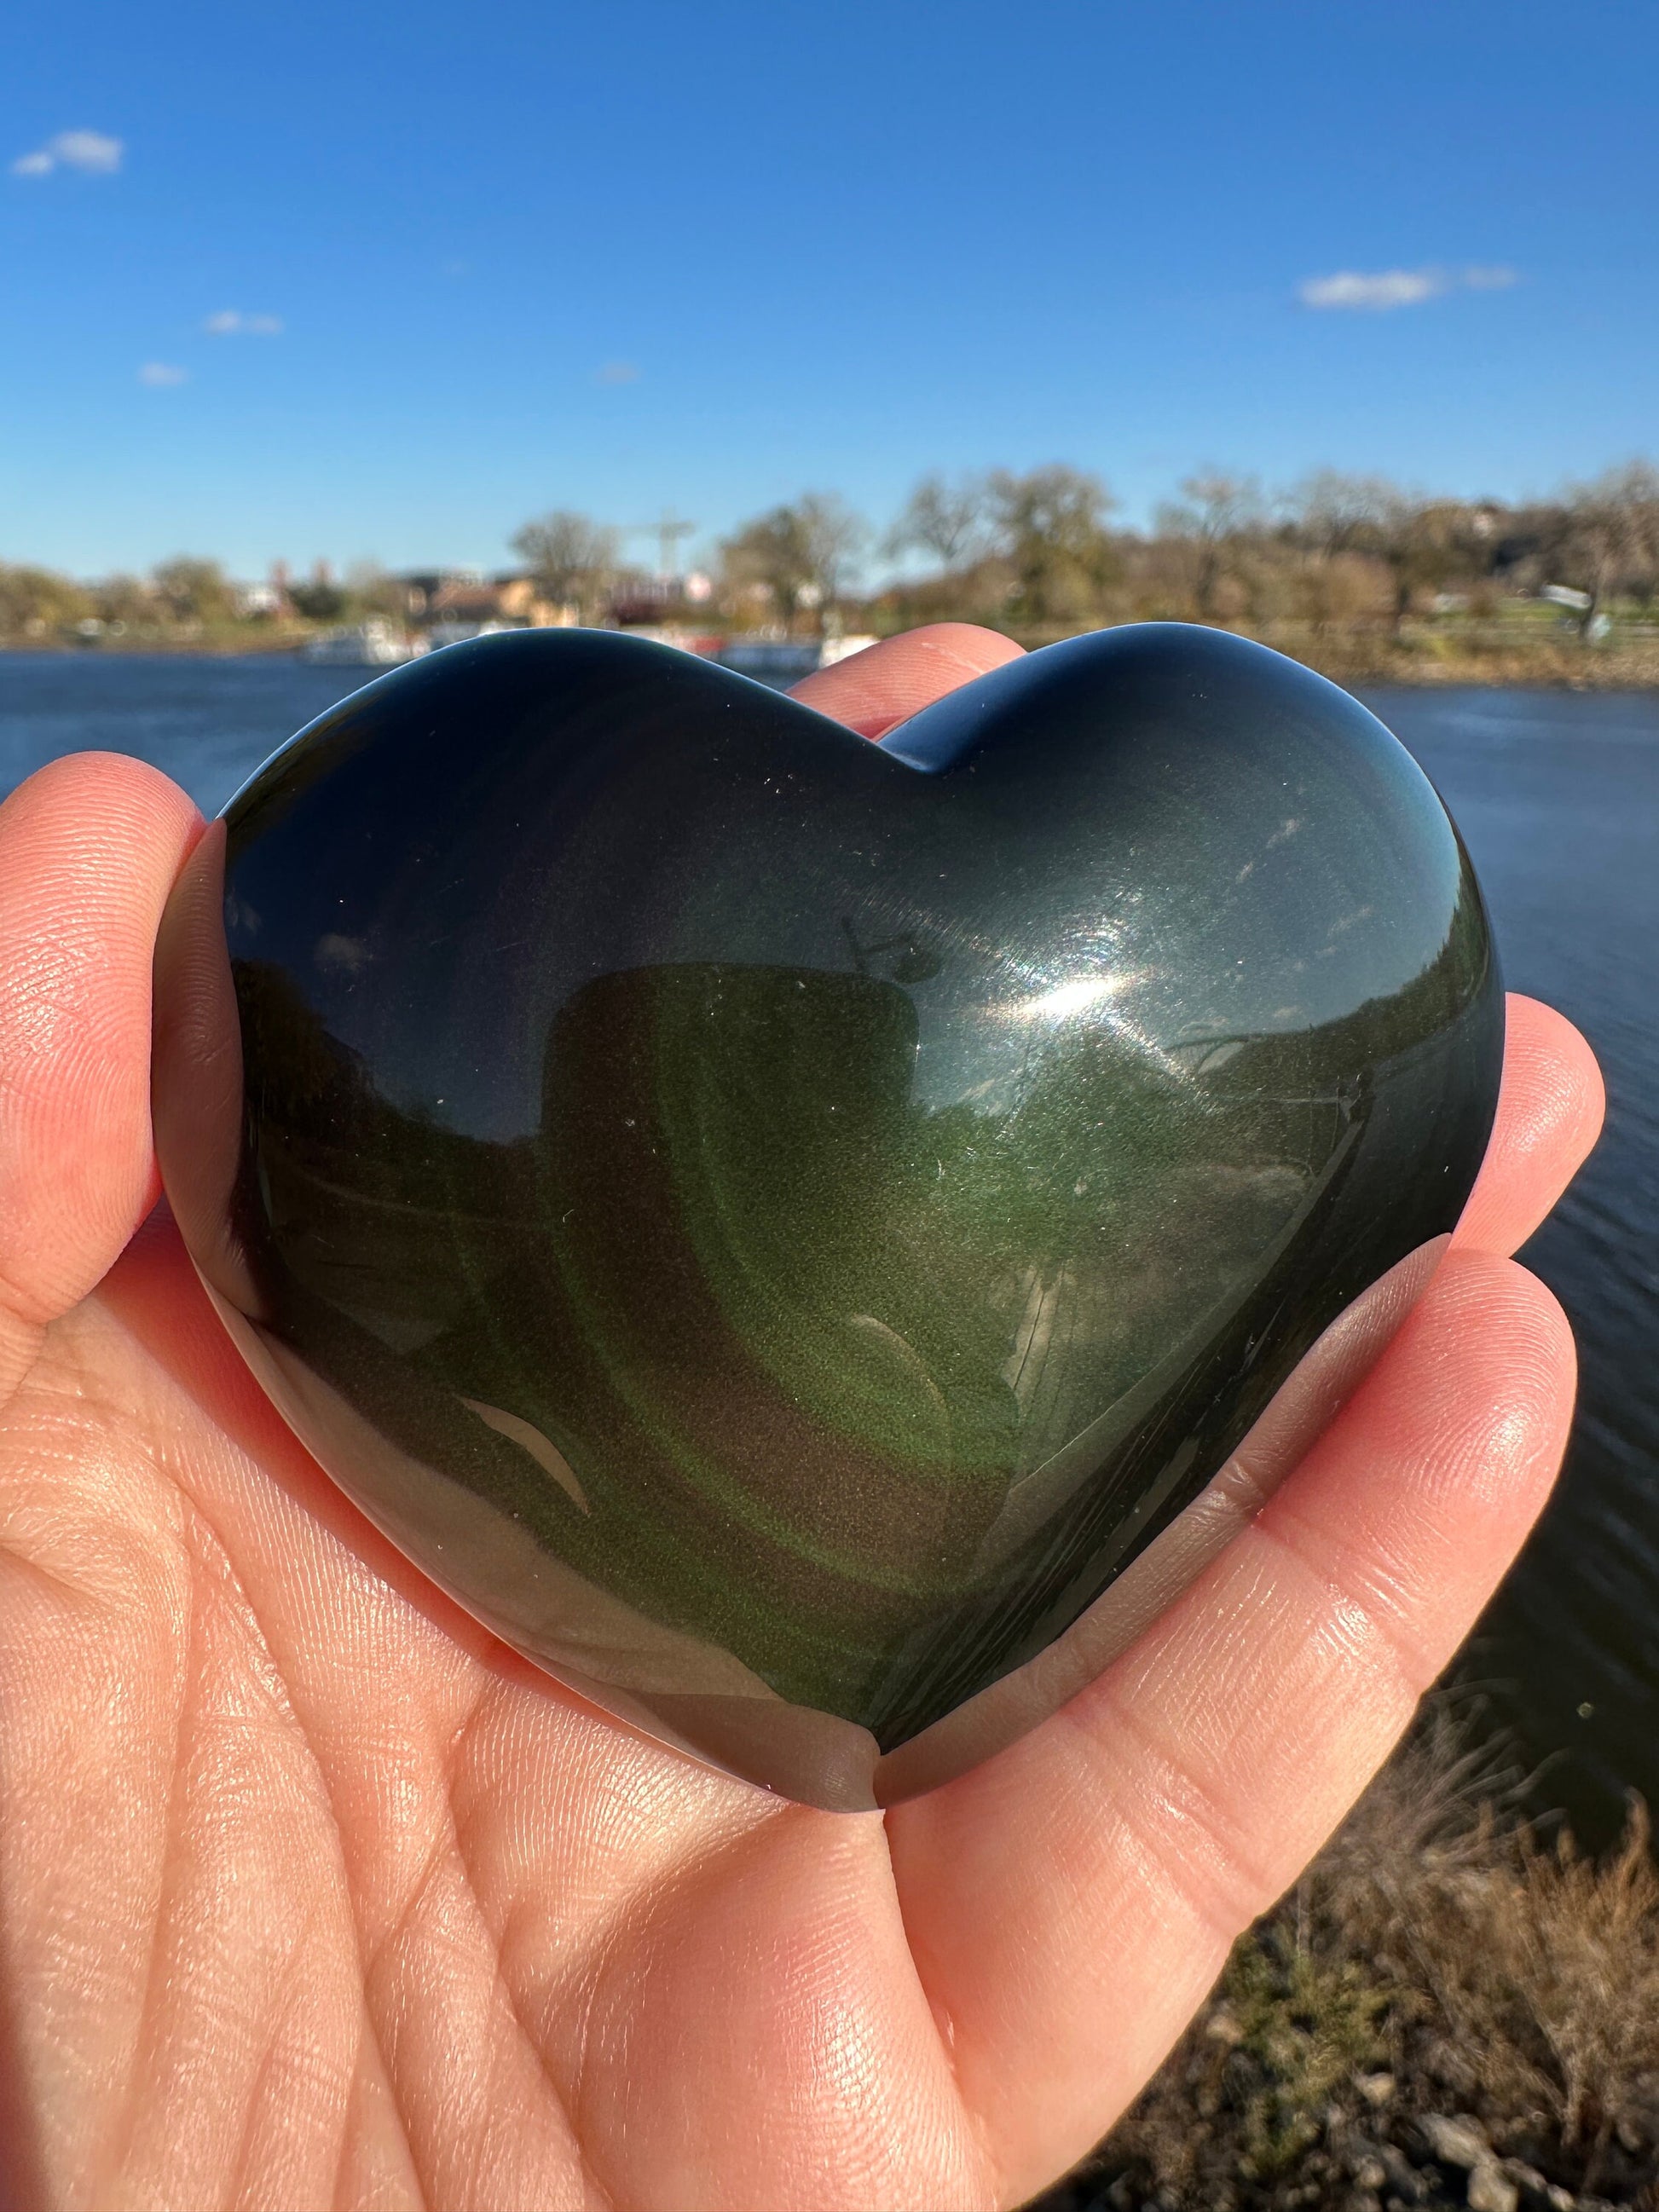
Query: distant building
x=460, y=602
x=268, y=601
x=642, y=597
x=520, y=598
x=420, y=586
x=463, y=601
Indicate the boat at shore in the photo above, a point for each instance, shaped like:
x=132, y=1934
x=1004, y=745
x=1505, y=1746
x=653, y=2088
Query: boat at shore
x=785, y=659
x=376, y=642
x=372, y=644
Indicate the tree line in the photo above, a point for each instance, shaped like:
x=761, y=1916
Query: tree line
x=1038, y=552
x=181, y=599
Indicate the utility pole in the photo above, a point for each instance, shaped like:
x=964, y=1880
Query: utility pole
x=668, y=530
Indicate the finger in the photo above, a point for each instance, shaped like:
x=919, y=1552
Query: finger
x=871, y=690
x=1069, y=1902
x=89, y=850
x=1549, y=1115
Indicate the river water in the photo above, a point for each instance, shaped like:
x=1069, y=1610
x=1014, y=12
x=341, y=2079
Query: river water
x=1557, y=796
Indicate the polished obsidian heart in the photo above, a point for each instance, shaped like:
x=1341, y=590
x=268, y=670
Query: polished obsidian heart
x=775, y=1223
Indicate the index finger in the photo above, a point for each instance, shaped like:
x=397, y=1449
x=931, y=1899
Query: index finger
x=872, y=691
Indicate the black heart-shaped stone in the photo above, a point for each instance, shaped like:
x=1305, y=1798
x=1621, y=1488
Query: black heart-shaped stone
x=775, y=1223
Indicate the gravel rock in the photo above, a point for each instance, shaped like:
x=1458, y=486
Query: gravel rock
x=1460, y=2141
x=1406, y=2184
x=1536, y=2195
x=1490, y=2189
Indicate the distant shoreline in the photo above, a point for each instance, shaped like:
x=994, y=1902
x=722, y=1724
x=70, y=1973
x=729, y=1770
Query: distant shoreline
x=1355, y=662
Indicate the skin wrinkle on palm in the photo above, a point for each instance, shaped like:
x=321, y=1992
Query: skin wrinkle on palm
x=602, y=1975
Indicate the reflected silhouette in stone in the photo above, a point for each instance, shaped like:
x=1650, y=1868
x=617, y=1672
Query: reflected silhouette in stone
x=775, y=1223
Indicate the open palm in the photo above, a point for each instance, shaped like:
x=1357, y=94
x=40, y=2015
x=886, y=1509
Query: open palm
x=312, y=1895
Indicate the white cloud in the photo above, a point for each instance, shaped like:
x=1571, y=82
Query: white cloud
x=231, y=323
x=160, y=373
x=89, y=151
x=617, y=372
x=1376, y=291
x=1387, y=287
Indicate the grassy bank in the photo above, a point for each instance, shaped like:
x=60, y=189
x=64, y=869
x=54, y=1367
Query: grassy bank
x=1444, y=657
x=1437, y=657
x=1539, y=656
x=1449, y=2009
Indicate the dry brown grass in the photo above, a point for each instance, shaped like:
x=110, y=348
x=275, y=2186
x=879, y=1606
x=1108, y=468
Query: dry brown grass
x=1438, y=1962
x=1559, y=663
x=1364, y=654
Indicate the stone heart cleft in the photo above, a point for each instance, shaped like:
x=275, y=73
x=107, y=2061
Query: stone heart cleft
x=775, y=1224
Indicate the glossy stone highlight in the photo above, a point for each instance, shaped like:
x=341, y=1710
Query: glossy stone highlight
x=776, y=1224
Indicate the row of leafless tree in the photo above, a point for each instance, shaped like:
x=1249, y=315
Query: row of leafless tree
x=1040, y=548
x=1037, y=551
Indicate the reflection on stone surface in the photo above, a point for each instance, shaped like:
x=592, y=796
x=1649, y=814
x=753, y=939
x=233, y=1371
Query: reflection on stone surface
x=833, y=1204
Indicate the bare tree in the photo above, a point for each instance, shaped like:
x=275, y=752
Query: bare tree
x=947, y=520
x=1217, y=510
x=1333, y=512
x=769, y=557
x=800, y=555
x=835, y=538
x=1050, y=525
x=573, y=558
x=1423, y=543
x=1433, y=542
x=1608, y=537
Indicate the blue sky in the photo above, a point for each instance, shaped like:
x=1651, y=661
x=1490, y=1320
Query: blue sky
x=624, y=256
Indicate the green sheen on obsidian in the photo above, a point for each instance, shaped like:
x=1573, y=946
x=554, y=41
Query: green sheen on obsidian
x=891, y=1179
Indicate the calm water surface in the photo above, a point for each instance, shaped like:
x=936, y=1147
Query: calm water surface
x=1557, y=796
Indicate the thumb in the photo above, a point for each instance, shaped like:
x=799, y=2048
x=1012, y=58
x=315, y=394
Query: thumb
x=89, y=850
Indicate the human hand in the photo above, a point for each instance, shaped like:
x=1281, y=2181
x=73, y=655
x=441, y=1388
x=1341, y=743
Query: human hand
x=312, y=1894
